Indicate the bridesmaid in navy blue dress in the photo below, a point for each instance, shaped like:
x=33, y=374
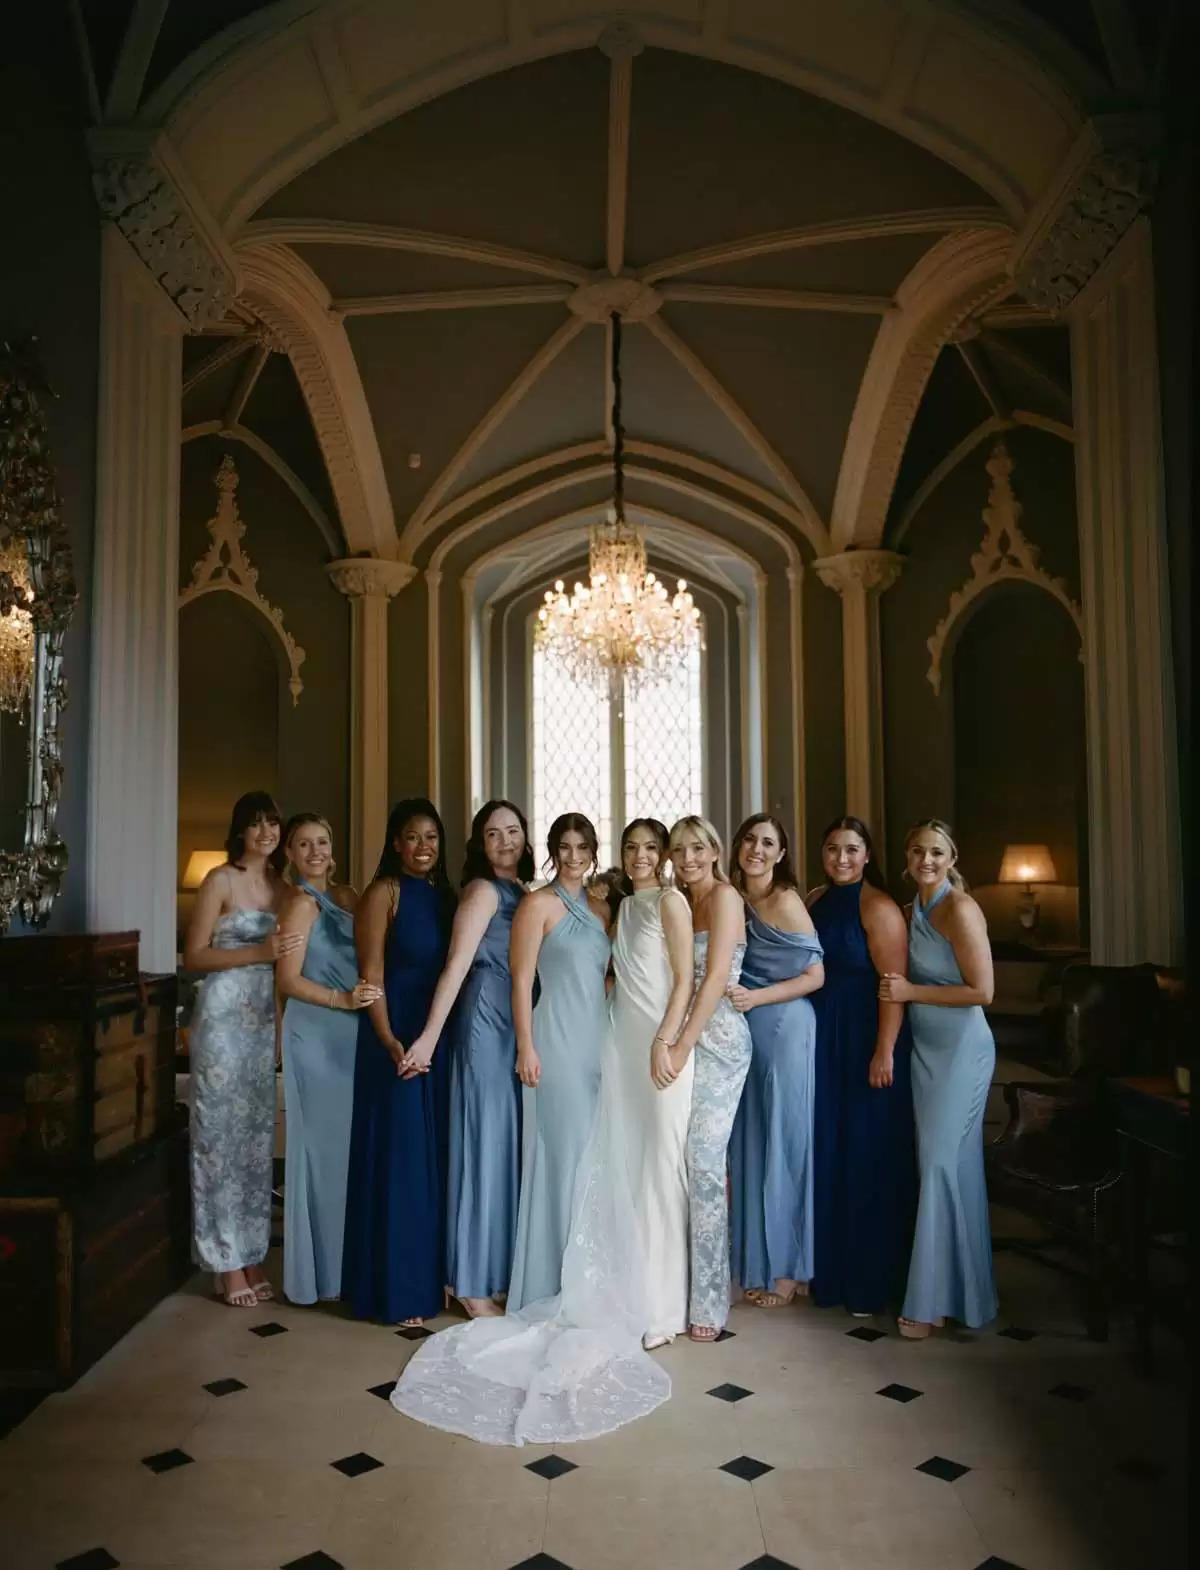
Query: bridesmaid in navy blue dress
x=393, y=1265
x=865, y=1164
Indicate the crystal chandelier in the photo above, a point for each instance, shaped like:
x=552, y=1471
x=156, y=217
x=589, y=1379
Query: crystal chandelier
x=16, y=628
x=624, y=629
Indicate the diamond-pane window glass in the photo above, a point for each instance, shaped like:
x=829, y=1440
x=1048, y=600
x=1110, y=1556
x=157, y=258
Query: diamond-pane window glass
x=664, y=740
x=572, y=756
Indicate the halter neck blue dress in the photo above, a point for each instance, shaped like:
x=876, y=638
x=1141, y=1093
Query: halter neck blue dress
x=771, y=1149
x=318, y=1085
x=953, y=1059
x=569, y=1024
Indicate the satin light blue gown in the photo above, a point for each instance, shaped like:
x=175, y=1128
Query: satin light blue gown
x=570, y=1021
x=318, y=1084
x=953, y=1059
x=485, y=1115
x=771, y=1151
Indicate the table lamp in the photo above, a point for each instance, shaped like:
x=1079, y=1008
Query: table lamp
x=1027, y=865
x=200, y=864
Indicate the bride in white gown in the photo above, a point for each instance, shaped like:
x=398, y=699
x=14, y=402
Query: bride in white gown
x=573, y=1367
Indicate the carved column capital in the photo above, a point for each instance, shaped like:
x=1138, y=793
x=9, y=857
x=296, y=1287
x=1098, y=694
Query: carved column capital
x=1103, y=183
x=138, y=193
x=868, y=570
x=359, y=577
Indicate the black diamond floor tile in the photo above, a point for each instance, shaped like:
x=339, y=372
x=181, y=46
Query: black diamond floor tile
x=93, y=1559
x=899, y=1393
x=726, y=1335
x=768, y=1562
x=315, y=1561
x=1018, y=1333
x=1071, y=1392
x=747, y=1468
x=167, y=1460
x=730, y=1393
x=384, y=1392
x=948, y=1471
x=551, y=1467
x=866, y=1333
x=1141, y=1470
x=271, y=1328
x=993, y=1563
x=356, y=1465
x=414, y=1332
x=541, y=1562
x=224, y=1387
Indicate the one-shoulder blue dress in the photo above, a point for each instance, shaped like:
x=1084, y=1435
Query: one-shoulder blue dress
x=864, y=1174
x=953, y=1060
x=569, y=1025
x=485, y=1115
x=393, y=1261
x=318, y=1083
x=770, y=1153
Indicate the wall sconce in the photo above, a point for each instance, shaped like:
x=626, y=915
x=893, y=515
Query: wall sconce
x=200, y=864
x=1027, y=865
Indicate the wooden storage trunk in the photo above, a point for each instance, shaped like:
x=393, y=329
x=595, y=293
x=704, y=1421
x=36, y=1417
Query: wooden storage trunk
x=85, y=1073
x=69, y=959
x=82, y=1261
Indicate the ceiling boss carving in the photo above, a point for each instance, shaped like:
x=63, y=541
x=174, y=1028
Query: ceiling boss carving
x=225, y=566
x=1004, y=556
x=359, y=577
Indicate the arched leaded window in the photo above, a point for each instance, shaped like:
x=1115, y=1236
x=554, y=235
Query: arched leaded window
x=640, y=755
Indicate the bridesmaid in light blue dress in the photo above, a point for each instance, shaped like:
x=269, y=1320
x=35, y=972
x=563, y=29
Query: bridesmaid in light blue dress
x=323, y=991
x=771, y=1152
x=485, y=1095
x=948, y=986
x=561, y=932
x=232, y=941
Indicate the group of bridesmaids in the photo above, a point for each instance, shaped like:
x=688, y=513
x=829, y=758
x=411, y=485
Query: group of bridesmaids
x=769, y=1061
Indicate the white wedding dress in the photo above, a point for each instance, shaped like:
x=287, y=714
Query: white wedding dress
x=572, y=1367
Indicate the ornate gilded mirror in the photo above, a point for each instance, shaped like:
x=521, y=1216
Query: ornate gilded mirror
x=37, y=597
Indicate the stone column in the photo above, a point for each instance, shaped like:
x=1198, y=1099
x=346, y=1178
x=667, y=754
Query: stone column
x=369, y=583
x=133, y=725
x=860, y=577
x=1135, y=843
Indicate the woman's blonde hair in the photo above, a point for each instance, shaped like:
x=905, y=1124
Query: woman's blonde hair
x=703, y=830
x=297, y=821
x=939, y=826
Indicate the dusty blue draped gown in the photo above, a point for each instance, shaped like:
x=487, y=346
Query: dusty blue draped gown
x=318, y=1084
x=569, y=1025
x=485, y=1115
x=953, y=1059
x=771, y=1158
x=864, y=1175
x=393, y=1261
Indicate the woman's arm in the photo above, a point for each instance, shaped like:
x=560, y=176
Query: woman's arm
x=528, y=930
x=746, y=998
x=478, y=905
x=676, y=916
x=370, y=936
x=198, y=952
x=298, y=914
x=725, y=932
x=966, y=932
x=887, y=943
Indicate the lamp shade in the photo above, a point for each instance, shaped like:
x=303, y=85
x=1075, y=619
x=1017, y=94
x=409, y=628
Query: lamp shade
x=200, y=864
x=1027, y=864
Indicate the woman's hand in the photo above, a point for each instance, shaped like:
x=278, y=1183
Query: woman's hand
x=895, y=989
x=418, y=1057
x=661, y=1071
x=395, y=1050
x=742, y=998
x=363, y=995
x=677, y=1056
x=279, y=944
x=880, y=1071
x=529, y=1067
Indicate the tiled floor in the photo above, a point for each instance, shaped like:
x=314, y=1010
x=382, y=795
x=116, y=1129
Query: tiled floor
x=263, y=1438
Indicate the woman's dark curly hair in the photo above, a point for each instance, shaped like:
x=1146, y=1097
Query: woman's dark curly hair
x=475, y=863
x=402, y=814
x=256, y=806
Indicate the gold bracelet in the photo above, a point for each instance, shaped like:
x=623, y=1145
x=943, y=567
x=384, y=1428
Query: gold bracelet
x=333, y=997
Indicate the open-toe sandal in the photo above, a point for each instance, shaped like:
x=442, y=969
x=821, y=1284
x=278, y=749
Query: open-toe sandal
x=702, y=1333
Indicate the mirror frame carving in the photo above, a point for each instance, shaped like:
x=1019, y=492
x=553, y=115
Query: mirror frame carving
x=31, y=878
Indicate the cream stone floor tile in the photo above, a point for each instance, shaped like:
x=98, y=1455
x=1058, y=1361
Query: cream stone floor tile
x=53, y=1513
x=71, y=1429
x=453, y=1527
x=619, y=1519
x=690, y=1432
x=852, y=1432
x=246, y=1427
x=1047, y=1520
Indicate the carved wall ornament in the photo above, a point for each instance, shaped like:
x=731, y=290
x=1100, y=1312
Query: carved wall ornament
x=225, y=566
x=139, y=197
x=358, y=577
x=1004, y=556
x=865, y=569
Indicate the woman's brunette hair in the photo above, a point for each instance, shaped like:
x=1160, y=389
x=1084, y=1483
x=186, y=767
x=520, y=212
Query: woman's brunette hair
x=939, y=826
x=662, y=838
x=475, y=862
x=707, y=834
x=783, y=874
x=871, y=872
x=256, y=806
x=570, y=823
x=295, y=822
x=402, y=814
